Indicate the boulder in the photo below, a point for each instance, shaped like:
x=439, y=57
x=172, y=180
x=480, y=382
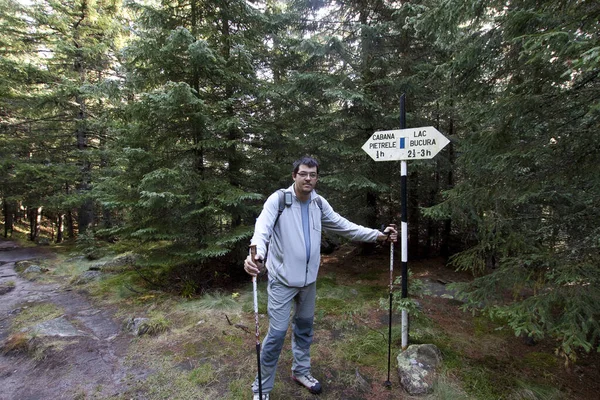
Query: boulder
x=417, y=367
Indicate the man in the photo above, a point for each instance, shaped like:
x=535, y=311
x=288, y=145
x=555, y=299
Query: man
x=294, y=238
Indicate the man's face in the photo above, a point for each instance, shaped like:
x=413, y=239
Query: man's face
x=305, y=179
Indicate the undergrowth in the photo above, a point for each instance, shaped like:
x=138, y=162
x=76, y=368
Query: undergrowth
x=204, y=345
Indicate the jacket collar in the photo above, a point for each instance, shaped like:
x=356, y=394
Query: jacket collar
x=313, y=194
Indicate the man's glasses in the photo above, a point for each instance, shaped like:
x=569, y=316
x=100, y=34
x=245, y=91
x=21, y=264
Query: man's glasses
x=303, y=175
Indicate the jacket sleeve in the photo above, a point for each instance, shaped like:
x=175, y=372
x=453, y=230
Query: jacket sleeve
x=335, y=223
x=263, y=229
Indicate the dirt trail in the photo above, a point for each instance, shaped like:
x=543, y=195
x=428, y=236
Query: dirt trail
x=87, y=366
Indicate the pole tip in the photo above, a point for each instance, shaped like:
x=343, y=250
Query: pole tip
x=387, y=384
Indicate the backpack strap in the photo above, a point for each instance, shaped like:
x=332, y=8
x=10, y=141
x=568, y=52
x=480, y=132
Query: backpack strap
x=282, y=205
x=281, y=194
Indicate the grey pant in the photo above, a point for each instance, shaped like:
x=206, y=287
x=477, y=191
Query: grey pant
x=279, y=307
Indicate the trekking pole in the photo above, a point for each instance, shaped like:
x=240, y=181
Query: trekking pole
x=388, y=383
x=255, y=291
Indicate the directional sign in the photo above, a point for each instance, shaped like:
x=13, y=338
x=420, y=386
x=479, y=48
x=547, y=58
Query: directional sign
x=405, y=144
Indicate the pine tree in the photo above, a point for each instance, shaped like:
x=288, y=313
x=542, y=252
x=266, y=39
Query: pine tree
x=526, y=102
x=180, y=170
x=64, y=55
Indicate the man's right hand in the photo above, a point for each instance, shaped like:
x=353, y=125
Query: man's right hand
x=253, y=268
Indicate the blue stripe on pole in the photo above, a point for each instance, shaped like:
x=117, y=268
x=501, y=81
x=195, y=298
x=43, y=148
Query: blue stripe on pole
x=402, y=142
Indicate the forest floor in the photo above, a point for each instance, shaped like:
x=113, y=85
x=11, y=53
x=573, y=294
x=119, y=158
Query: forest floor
x=204, y=347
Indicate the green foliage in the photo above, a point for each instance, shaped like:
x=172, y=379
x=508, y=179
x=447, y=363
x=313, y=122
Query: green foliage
x=416, y=289
x=168, y=135
x=524, y=87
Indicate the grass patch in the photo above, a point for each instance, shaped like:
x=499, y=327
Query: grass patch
x=331, y=305
x=371, y=275
x=203, y=375
x=372, y=292
x=447, y=389
x=540, y=361
x=247, y=300
x=325, y=282
x=532, y=391
x=34, y=315
x=218, y=301
x=478, y=382
x=16, y=343
x=365, y=347
x=116, y=287
x=238, y=389
x=6, y=287
x=174, y=384
x=156, y=325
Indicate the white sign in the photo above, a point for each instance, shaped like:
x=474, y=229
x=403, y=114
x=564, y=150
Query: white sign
x=405, y=144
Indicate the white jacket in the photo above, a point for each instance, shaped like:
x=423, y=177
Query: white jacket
x=286, y=260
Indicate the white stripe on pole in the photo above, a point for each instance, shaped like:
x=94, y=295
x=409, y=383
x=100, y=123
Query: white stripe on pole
x=254, y=289
x=404, y=242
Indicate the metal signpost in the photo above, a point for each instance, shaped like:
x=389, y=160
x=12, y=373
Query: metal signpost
x=404, y=145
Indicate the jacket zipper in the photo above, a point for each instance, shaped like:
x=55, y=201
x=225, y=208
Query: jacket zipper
x=310, y=239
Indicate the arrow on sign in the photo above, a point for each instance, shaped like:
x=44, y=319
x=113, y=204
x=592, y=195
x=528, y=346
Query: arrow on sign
x=405, y=144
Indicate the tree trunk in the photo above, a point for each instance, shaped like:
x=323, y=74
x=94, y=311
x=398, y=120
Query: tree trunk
x=197, y=127
x=85, y=214
x=69, y=217
x=8, y=212
x=34, y=215
x=59, y=228
x=70, y=225
x=234, y=166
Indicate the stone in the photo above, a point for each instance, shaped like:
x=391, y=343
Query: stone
x=6, y=288
x=115, y=264
x=87, y=276
x=56, y=327
x=43, y=242
x=361, y=383
x=137, y=326
x=33, y=269
x=417, y=368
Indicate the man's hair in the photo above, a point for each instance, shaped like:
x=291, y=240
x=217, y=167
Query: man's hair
x=306, y=160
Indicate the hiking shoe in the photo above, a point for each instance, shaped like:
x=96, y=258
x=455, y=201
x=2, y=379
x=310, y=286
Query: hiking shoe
x=309, y=382
x=265, y=396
